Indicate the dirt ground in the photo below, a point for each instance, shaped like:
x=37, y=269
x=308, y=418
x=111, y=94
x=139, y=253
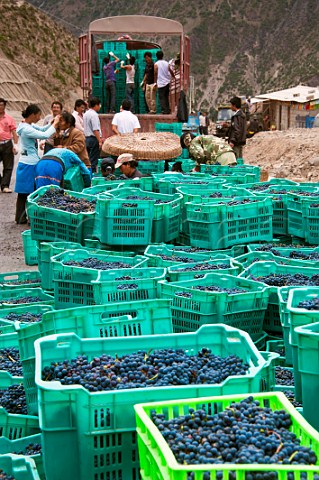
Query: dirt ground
x=293, y=154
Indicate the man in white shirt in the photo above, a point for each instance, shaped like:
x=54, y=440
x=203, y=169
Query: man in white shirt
x=163, y=74
x=125, y=121
x=79, y=109
x=92, y=131
x=56, y=109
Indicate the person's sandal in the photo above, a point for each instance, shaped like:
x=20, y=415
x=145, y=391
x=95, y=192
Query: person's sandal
x=6, y=190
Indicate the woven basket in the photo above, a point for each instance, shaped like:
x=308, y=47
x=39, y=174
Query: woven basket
x=144, y=146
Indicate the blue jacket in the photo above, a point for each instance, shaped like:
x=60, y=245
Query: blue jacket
x=29, y=134
x=70, y=159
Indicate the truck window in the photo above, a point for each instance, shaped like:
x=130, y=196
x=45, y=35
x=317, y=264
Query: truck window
x=224, y=114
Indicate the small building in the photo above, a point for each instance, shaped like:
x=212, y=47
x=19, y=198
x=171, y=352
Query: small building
x=290, y=108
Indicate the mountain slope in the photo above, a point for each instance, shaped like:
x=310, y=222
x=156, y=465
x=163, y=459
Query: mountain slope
x=237, y=46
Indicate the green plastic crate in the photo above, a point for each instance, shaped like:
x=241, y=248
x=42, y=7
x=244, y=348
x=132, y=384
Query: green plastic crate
x=169, y=183
x=187, y=163
x=234, y=251
x=308, y=367
x=259, y=269
x=277, y=346
x=29, y=248
x=176, y=273
x=310, y=215
x=9, y=446
x=7, y=294
x=175, y=127
x=101, y=188
x=14, y=426
x=260, y=186
x=268, y=372
x=107, y=288
x=50, y=224
x=35, y=309
x=283, y=294
x=73, y=179
x=20, y=467
x=158, y=461
x=297, y=206
x=165, y=217
x=15, y=279
x=250, y=173
x=145, y=183
x=219, y=225
x=149, y=166
x=86, y=425
x=144, y=317
x=282, y=259
x=192, y=308
x=154, y=252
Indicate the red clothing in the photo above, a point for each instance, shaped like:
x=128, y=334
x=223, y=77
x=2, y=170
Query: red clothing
x=7, y=124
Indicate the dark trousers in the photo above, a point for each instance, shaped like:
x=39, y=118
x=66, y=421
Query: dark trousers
x=130, y=88
x=92, y=146
x=111, y=96
x=7, y=159
x=203, y=130
x=21, y=214
x=163, y=96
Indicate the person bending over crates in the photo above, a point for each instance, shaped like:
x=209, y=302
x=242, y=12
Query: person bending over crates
x=209, y=149
x=53, y=165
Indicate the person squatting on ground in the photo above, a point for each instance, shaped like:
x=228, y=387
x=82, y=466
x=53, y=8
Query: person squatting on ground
x=71, y=138
x=128, y=166
x=53, y=165
x=238, y=127
x=163, y=73
x=125, y=121
x=92, y=132
x=209, y=149
x=148, y=83
x=109, y=70
x=56, y=109
x=7, y=149
x=130, y=79
x=29, y=134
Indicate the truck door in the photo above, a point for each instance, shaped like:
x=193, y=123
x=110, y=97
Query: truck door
x=84, y=64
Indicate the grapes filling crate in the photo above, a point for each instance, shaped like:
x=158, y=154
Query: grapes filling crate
x=95, y=425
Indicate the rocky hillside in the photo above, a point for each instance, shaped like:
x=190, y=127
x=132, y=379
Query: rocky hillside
x=36, y=51
x=237, y=46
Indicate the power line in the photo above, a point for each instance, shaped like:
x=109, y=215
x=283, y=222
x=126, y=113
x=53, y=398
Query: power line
x=76, y=27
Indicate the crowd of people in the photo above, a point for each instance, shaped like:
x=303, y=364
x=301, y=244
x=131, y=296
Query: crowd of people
x=69, y=139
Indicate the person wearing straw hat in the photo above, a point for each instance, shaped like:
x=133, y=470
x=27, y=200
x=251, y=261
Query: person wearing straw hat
x=128, y=166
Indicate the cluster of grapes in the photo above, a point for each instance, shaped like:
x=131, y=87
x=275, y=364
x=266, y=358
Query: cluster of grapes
x=312, y=304
x=270, y=246
x=281, y=351
x=61, y=200
x=19, y=300
x=176, y=258
x=190, y=182
x=13, y=399
x=125, y=277
x=23, y=282
x=204, y=266
x=244, y=433
x=260, y=188
x=193, y=249
x=291, y=397
x=243, y=201
x=26, y=317
x=214, y=195
x=10, y=361
x=287, y=279
x=145, y=369
x=157, y=201
x=31, y=449
x=284, y=376
x=97, y=264
x=215, y=288
x=5, y=476
x=304, y=256
x=127, y=286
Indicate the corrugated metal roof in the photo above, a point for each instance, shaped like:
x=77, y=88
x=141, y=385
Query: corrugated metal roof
x=298, y=94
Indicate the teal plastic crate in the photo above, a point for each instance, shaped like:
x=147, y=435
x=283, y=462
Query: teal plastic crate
x=29, y=248
x=176, y=256
x=192, y=308
x=73, y=180
x=278, y=347
x=34, y=309
x=20, y=467
x=10, y=295
x=310, y=215
x=145, y=183
x=14, y=426
x=221, y=225
x=283, y=294
x=110, y=286
x=175, y=127
x=307, y=337
x=169, y=183
x=177, y=273
x=144, y=317
x=26, y=279
x=165, y=220
x=50, y=224
x=187, y=163
x=88, y=423
x=149, y=166
x=261, y=186
x=15, y=446
x=158, y=461
x=102, y=187
x=268, y=372
x=249, y=173
x=297, y=209
x=234, y=251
